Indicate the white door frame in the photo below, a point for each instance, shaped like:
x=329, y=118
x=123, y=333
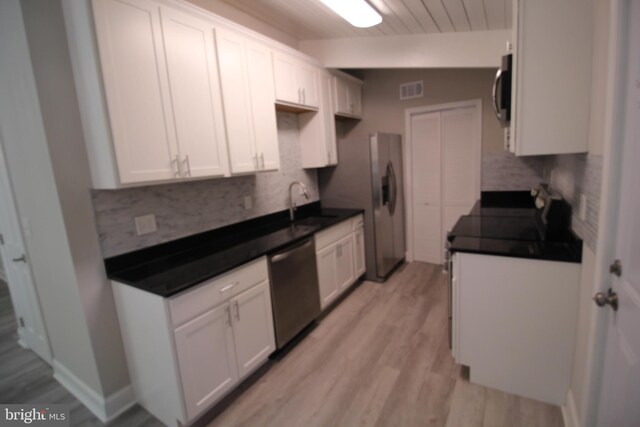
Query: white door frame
x=408, y=153
x=609, y=204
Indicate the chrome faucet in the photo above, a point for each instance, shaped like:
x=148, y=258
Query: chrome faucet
x=292, y=203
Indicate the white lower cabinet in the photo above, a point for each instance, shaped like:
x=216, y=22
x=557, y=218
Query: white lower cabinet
x=338, y=260
x=206, y=359
x=359, y=254
x=514, y=323
x=252, y=327
x=215, y=336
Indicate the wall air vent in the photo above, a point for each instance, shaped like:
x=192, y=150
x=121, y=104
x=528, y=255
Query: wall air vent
x=412, y=90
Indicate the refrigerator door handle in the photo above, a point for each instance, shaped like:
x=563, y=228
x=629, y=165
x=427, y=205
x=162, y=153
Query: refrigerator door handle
x=394, y=188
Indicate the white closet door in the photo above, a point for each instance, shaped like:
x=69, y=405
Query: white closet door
x=426, y=167
x=461, y=164
x=195, y=94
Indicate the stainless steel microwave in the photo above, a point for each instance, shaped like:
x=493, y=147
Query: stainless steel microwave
x=502, y=91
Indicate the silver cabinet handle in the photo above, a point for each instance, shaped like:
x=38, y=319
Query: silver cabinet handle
x=228, y=315
x=226, y=288
x=23, y=258
x=178, y=165
x=262, y=159
x=300, y=96
x=304, y=96
x=237, y=310
x=256, y=165
x=186, y=161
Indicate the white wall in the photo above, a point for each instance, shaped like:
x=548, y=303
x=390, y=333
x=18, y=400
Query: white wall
x=601, y=16
x=471, y=49
x=38, y=203
x=46, y=35
x=384, y=111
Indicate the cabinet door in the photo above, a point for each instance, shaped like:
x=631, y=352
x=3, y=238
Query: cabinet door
x=253, y=327
x=261, y=86
x=206, y=358
x=195, y=94
x=318, y=131
x=307, y=77
x=359, y=255
x=341, y=97
x=345, y=270
x=355, y=98
x=284, y=70
x=326, y=260
x=237, y=101
x=137, y=89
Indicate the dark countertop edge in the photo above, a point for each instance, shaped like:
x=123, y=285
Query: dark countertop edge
x=344, y=214
x=572, y=260
x=573, y=250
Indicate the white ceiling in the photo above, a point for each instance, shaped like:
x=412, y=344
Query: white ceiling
x=311, y=19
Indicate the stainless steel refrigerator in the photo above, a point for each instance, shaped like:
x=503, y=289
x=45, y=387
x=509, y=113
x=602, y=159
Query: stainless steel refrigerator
x=369, y=176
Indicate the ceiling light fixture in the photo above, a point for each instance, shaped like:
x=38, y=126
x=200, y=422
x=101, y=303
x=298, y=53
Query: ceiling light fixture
x=358, y=13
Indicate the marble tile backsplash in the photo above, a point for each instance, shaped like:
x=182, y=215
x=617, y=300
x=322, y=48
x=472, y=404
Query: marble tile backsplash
x=505, y=172
x=573, y=175
x=184, y=209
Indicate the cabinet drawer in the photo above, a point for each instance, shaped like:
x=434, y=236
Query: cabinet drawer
x=357, y=222
x=196, y=301
x=330, y=235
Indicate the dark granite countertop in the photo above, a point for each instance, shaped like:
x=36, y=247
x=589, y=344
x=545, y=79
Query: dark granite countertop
x=175, y=266
x=503, y=224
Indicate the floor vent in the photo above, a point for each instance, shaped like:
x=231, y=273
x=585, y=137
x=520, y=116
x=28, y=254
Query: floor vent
x=412, y=90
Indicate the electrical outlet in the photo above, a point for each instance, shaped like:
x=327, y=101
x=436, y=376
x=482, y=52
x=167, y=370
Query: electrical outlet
x=582, y=211
x=248, y=202
x=146, y=224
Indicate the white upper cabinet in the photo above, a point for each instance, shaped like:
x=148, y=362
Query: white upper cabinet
x=551, y=86
x=162, y=92
x=137, y=89
x=318, y=130
x=248, y=97
x=296, y=81
x=195, y=94
x=347, y=95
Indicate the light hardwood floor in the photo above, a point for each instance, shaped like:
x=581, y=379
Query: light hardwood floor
x=380, y=358
x=25, y=378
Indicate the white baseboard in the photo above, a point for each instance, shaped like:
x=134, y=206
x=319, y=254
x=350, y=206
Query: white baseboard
x=570, y=412
x=105, y=409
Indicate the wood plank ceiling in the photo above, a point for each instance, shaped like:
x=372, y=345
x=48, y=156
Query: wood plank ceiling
x=311, y=19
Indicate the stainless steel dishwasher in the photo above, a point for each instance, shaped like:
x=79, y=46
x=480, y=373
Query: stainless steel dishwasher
x=295, y=293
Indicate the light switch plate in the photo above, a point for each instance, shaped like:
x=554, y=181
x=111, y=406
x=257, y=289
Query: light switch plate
x=248, y=202
x=146, y=224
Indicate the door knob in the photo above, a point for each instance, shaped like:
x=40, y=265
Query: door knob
x=23, y=258
x=610, y=298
